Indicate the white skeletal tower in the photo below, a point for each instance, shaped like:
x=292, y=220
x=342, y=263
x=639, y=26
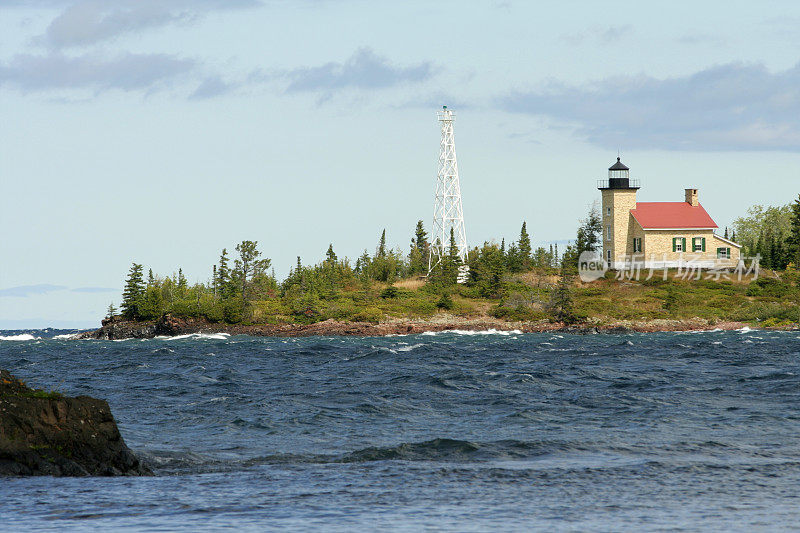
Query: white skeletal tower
x=447, y=211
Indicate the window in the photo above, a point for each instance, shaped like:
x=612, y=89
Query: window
x=723, y=253
x=608, y=258
x=698, y=244
x=608, y=232
x=637, y=244
x=678, y=244
x=608, y=211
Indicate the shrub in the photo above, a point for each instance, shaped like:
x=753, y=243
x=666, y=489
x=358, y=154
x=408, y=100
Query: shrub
x=772, y=287
x=422, y=307
x=517, y=313
x=670, y=299
x=184, y=308
x=560, y=305
x=214, y=312
x=445, y=302
x=45, y=395
x=760, y=311
x=344, y=310
x=369, y=314
x=389, y=292
x=232, y=310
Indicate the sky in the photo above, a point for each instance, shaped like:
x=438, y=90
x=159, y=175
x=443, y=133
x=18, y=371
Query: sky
x=161, y=131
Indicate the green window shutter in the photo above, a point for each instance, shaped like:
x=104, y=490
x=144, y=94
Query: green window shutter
x=683, y=244
x=674, y=244
x=728, y=252
x=703, y=242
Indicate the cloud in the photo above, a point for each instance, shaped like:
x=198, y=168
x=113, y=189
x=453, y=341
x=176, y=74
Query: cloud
x=127, y=72
x=728, y=107
x=701, y=39
x=23, y=291
x=87, y=22
x=94, y=290
x=363, y=70
x=602, y=35
x=211, y=87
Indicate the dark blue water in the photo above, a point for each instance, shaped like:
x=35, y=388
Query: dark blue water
x=448, y=431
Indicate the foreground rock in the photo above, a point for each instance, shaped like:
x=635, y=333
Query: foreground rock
x=48, y=434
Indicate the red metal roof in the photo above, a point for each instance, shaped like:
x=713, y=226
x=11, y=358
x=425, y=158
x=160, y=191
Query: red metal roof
x=669, y=215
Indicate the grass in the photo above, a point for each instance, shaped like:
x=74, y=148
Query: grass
x=45, y=395
x=769, y=300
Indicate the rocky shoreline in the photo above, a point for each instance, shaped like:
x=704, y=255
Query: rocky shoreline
x=170, y=326
x=47, y=434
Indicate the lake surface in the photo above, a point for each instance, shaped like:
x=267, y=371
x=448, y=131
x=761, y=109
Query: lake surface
x=678, y=431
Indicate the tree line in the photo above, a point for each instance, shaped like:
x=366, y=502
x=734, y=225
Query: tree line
x=238, y=280
x=771, y=232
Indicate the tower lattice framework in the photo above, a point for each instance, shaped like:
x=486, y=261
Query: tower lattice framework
x=447, y=210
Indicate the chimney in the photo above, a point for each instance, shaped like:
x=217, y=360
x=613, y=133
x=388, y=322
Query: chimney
x=691, y=197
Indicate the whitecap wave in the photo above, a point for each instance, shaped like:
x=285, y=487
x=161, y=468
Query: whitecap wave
x=745, y=329
x=215, y=336
x=470, y=332
x=65, y=337
x=410, y=347
x=20, y=337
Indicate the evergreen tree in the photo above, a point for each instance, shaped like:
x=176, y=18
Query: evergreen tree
x=249, y=266
x=182, y=284
x=214, y=280
x=569, y=261
x=223, y=274
x=589, y=232
x=451, y=261
x=503, y=246
x=152, y=304
x=486, y=271
x=151, y=280
x=111, y=311
x=134, y=290
x=793, y=238
x=779, y=255
x=733, y=236
x=445, y=272
x=421, y=237
x=514, y=259
x=726, y=232
x=363, y=265
x=762, y=250
x=330, y=255
x=774, y=259
x=382, y=245
x=524, y=248
x=420, y=249
x=560, y=305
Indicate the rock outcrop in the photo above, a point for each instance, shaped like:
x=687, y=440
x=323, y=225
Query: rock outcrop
x=169, y=325
x=45, y=433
